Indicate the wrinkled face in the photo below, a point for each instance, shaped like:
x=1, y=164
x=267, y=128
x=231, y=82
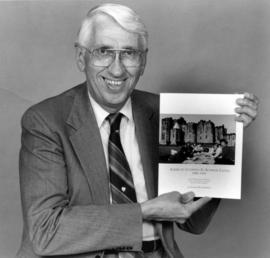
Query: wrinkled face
x=111, y=86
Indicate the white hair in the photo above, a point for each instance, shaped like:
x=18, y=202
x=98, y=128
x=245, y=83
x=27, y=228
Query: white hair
x=122, y=15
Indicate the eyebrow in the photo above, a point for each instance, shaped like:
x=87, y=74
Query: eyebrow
x=130, y=48
x=103, y=46
x=110, y=47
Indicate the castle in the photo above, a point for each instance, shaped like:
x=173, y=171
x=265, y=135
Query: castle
x=178, y=132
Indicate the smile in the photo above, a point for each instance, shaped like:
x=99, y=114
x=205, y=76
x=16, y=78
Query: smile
x=114, y=83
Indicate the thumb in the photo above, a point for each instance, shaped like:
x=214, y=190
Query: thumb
x=196, y=205
x=187, y=197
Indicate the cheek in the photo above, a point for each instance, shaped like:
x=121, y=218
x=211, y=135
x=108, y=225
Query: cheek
x=95, y=80
x=134, y=79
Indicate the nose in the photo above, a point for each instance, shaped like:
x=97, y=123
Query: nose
x=116, y=68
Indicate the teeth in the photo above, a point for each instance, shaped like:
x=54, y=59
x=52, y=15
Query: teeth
x=113, y=82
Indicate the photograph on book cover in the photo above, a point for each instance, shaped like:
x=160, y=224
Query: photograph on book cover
x=200, y=145
x=197, y=139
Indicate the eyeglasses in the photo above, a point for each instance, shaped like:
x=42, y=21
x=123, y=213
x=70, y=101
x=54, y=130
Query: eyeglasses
x=104, y=57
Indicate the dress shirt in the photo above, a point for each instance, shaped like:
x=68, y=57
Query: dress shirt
x=218, y=152
x=131, y=150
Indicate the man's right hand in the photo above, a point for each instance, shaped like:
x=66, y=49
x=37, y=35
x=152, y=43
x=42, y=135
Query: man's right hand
x=172, y=206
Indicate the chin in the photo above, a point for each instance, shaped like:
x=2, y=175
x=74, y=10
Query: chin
x=117, y=99
x=116, y=105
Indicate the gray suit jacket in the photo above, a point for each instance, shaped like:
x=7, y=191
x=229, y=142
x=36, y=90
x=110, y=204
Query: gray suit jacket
x=65, y=186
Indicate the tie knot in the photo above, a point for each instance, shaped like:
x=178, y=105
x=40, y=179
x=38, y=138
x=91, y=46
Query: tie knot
x=114, y=120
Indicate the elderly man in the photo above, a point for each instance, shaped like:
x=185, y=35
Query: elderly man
x=88, y=161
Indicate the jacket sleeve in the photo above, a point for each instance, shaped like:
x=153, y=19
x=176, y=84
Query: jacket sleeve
x=54, y=226
x=199, y=220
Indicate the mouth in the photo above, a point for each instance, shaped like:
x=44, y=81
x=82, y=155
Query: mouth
x=114, y=84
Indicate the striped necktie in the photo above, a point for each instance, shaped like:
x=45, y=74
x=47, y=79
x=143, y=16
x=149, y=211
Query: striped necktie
x=121, y=181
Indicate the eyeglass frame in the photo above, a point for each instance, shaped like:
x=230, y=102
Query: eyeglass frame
x=141, y=52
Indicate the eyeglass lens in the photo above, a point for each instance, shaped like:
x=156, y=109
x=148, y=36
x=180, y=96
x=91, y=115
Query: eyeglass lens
x=103, y=58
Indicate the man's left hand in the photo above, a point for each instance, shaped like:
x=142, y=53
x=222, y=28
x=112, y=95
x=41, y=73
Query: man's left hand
x=248, y=108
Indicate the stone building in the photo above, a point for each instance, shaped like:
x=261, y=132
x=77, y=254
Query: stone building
x=205, y=132
x=220, y=133
x=178, y=132
x=166, y=126
x=231, y=139
x=190, y=131
x=175, y=133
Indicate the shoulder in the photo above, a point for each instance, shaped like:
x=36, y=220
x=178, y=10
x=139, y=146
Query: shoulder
x=146, y=99
x=145, y=94
x=54, y=109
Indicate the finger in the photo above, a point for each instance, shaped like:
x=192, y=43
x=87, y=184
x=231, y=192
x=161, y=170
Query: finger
x=248, y=103
x=187, y=197
x=181, y=221
x=246, y=120
x=194, y=206
x=252, y=97
x=246, y=111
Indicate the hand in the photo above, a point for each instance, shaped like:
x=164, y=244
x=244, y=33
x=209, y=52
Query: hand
x=248, y=109
x=172, y=206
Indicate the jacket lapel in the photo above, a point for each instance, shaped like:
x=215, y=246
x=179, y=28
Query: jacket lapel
x=88, y=146
x=146, y=132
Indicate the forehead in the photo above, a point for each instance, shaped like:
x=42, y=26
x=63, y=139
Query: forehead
x=106, y=32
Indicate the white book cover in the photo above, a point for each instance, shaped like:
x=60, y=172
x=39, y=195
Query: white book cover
x=200, y=145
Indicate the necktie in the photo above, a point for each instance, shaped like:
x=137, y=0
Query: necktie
x=121, y=181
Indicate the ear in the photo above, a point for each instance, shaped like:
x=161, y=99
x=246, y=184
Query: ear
x=80, y=53
x=143, y=64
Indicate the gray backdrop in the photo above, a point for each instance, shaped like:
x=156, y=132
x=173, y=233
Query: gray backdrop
x=195, y=46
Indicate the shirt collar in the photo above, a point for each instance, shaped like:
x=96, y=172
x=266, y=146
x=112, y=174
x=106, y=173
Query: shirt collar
x=101, y=113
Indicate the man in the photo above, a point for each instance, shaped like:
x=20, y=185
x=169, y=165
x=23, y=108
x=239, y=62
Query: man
x=217, y=150
x=225, y=155
x=88, y=161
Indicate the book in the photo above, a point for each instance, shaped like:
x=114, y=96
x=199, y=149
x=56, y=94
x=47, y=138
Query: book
x=200, y=145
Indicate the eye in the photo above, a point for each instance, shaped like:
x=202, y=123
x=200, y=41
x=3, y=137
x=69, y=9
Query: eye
x=102, y=52
x=130, y=53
